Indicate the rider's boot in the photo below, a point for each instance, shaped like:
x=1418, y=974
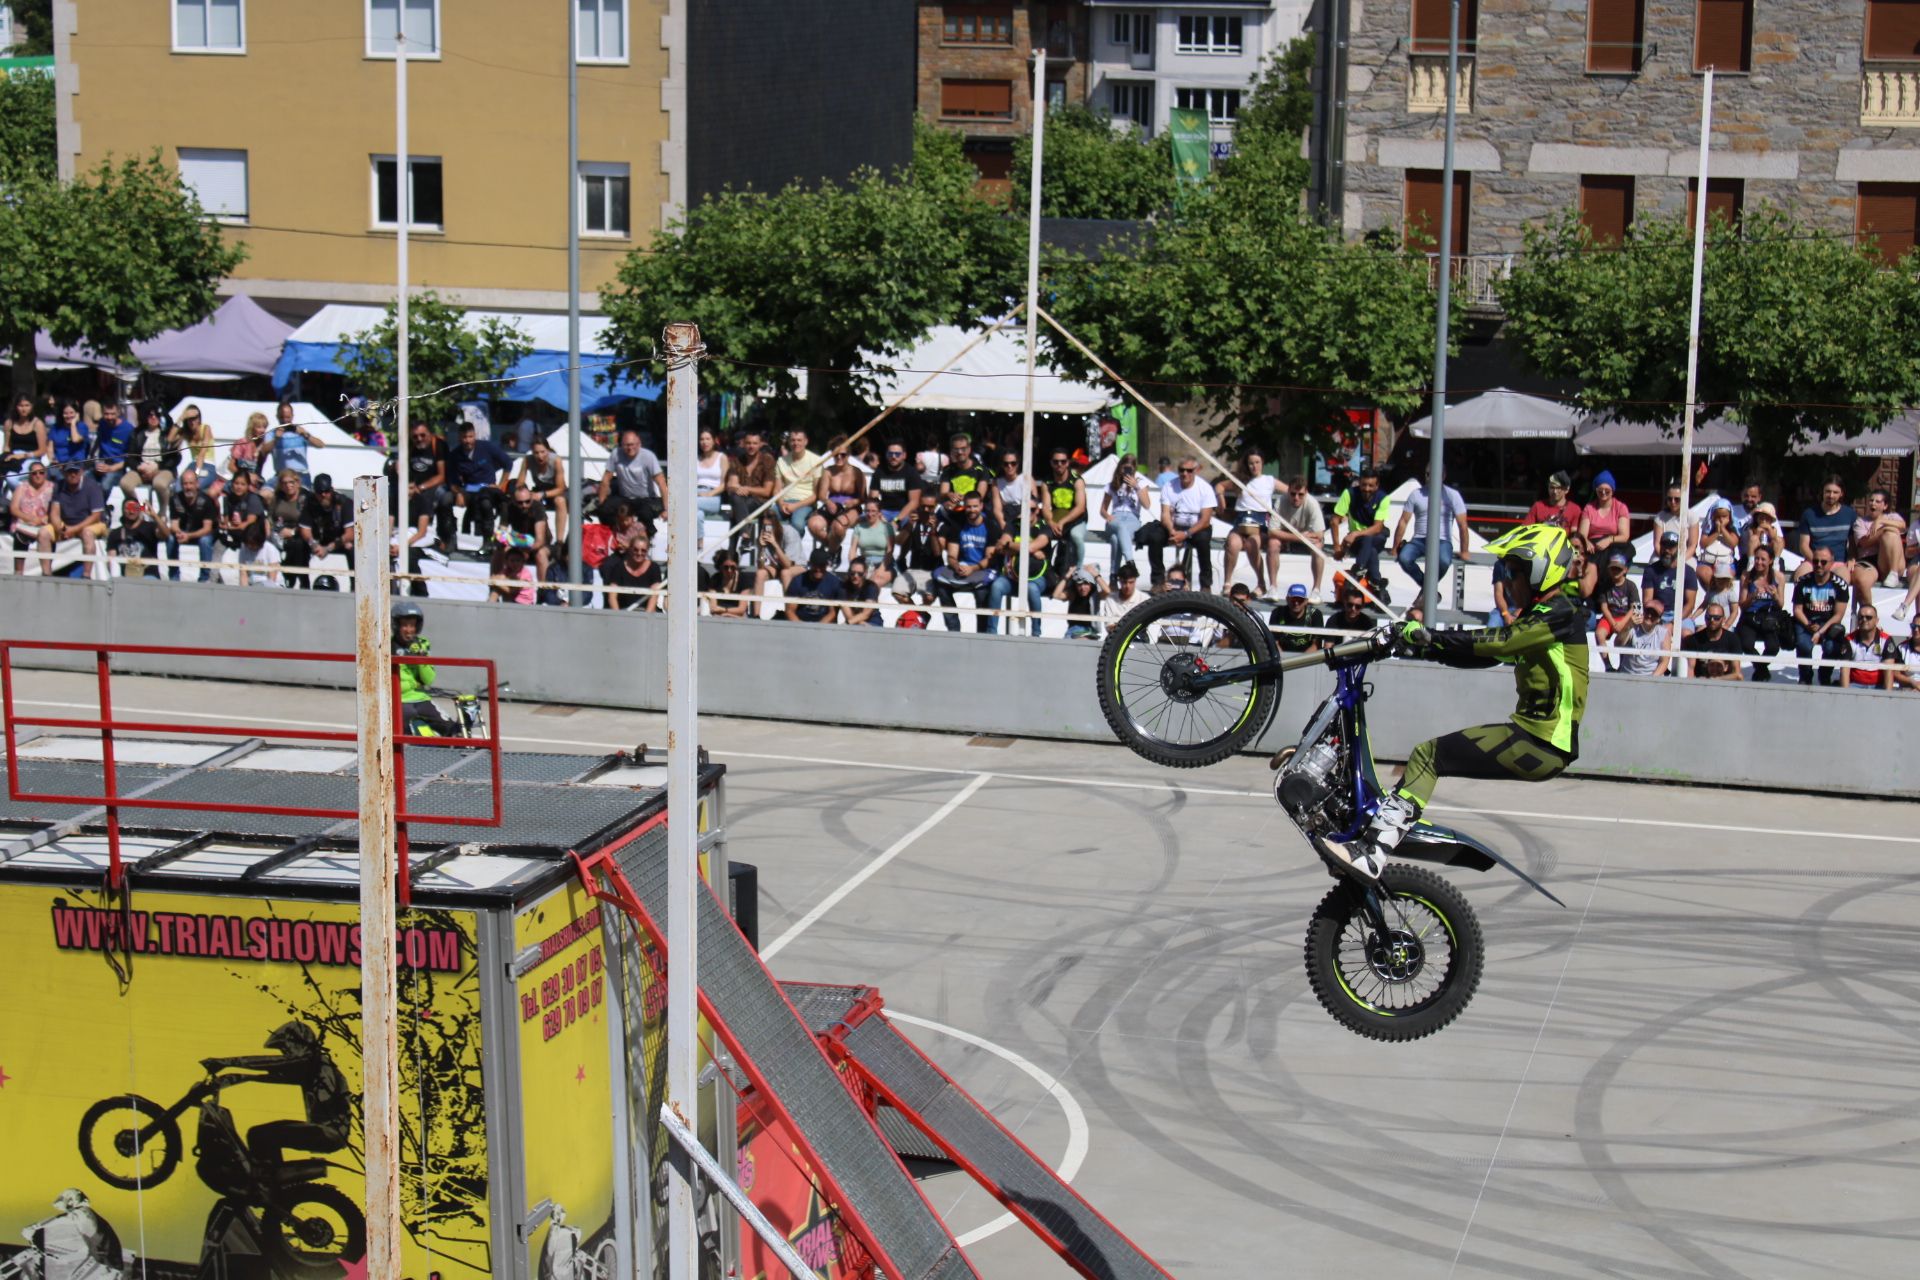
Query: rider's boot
x=1367, y=853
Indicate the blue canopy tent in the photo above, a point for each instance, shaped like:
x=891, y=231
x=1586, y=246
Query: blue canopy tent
x=318, y=346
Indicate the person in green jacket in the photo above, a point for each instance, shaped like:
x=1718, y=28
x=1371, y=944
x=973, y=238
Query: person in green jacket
x=416, y=678
x=1546, y=644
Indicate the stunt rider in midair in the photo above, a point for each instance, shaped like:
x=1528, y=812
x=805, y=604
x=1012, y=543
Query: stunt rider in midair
x=1547, y=645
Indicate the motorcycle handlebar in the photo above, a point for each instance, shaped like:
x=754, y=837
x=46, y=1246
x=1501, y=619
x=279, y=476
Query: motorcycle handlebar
x=1363, y=649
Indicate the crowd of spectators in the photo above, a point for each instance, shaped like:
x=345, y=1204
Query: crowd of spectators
x=827, y=537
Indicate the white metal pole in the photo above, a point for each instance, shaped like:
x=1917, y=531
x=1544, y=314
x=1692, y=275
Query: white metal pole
x=1033, y=315
x=379, y=987
x=403, y=210
x=682, y=343
x=1436, y=460
x=1676, y=621
x=576, y=570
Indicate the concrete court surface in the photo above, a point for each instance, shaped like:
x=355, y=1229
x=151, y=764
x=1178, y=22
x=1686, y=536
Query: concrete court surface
x=1707, y=1066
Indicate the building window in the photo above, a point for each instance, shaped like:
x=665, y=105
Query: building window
x=1723, y=35
x=1893, y=30
x=1606, y=206
x=1132, y=100
x=1430, y=21
x=1209, y=33
x=1221, y=105
x=602, y=29
x=1616, y=35
x=208, y=26
x=977, y=24
x=218, y=180
x=1423, y=210
x=423, y=27
x=1133, y=32
x=1725, y=197
x=977, y=99
x=1888, y=212
x=604, y=201
x=425, y=208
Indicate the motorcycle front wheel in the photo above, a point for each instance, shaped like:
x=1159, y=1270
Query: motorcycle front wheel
x=1149, y=664
x=1408, y=983
x=129, y=1142
x=314, y=1227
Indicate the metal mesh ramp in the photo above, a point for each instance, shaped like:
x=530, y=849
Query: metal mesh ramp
x=881, y=1202
x=997, y=1160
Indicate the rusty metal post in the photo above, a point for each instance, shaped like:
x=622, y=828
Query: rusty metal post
x=379, y=981
x=682, y=344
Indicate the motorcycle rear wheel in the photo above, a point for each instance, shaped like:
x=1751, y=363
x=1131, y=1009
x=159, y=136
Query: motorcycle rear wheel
x=132, y=1116
x=1410, y=983
x=314, y=1227
x=1148, y=655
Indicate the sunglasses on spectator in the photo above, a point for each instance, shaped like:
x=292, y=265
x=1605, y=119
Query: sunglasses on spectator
x=1187, y=471
x=1822, y=560
x=896, y=453
x=1009, y=462
x=1059, y=462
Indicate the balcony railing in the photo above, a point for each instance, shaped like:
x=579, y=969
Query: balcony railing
x=1475, y=277
x=1890, y=95
x=1427, y=84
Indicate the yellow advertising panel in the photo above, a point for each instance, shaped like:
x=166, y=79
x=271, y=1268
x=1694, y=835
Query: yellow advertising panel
x=566, y=1086
x=202, y=1118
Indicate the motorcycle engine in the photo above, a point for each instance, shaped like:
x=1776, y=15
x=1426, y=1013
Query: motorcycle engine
x=1309, y=786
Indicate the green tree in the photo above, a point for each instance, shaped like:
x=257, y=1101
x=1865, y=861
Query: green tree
x=811, y=276
x=1273, y=120
x=1095, y=168
x=106, y=261
x=1802, y=334
x=33, y=28
x=443, y=350
x=27, y=146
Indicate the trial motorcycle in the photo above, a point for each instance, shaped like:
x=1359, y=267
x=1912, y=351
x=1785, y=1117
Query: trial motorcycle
x=1189, y=678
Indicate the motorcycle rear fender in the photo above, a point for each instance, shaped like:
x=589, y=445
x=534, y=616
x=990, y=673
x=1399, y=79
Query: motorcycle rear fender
x=1431, y=842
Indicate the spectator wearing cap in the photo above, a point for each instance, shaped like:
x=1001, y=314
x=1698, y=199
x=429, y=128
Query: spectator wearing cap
x=1558, y=507
x=137, y=538
x=31, y=506
x=288, y=443
x=1667, y=573
x=813, y=593
x=1186, y=523
x=1713, y=637
x=477, y=474
x=1641, y=650
x=1879, y=547
x=1763, y=530
x=1084, y=593
x=1605, y=523
x=1826, y=526
x=1613, y=600
x=1295, y=614
x=192, y=516
x=1411, y=552
x=1123, y=596
x=1819, y=615
x=1362, y=513
x=631, y=577
x=326, y=525
x=1868, y=643
x=1764, y=618
x=79, y=511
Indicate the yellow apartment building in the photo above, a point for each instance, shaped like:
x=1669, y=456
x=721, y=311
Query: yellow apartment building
x=280, y=114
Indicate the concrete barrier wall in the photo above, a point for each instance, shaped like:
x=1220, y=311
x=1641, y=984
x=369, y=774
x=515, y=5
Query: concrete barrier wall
x=1778, y=736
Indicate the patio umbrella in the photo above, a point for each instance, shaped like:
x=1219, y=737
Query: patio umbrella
x=1501, y=414
x=1895, y=439
x=1607, y=434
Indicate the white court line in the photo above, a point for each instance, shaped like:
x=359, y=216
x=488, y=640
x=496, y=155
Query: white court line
x=866, y=873
x=1076, y=1152
x=1096, y=783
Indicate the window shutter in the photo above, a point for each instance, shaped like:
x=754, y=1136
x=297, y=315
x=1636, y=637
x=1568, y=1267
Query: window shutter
x=1430, y=18
x=976, y=97
x=1723, y=35
x=218, y=178
x=1606, y=206
x=1423, y=210
x=1725, y=196
x=1615, y=32
x=1888, y=211
x=1893, y=30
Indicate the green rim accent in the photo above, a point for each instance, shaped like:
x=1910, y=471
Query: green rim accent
x=1341, y=978
x=1120, y=656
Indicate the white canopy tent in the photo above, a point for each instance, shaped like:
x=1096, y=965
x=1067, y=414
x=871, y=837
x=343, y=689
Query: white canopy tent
x=991, y=378
x=1501, y=414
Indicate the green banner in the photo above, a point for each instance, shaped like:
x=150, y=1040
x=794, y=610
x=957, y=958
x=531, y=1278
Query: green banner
x=1192, y=145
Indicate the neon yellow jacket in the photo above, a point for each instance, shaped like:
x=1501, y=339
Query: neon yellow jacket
x=415, y=678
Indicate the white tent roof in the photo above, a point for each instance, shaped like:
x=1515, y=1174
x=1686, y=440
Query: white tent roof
x=339, y=321
x=991, y=378
x=1501, y=414
x=338, y=455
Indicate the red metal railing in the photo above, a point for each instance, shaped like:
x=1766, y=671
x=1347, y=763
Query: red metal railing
x=106, y=724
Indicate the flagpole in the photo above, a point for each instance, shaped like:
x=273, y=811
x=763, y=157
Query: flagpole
x=1033, y=315
x=1693, y=371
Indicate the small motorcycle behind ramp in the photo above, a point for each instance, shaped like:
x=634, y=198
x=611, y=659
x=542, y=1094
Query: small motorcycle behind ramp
x=850, y=1021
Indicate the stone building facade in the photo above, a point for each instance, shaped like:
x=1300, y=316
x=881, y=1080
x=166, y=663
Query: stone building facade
x=1595, y=105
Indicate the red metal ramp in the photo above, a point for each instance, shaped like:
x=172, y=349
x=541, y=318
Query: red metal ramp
x=850, y=1018
x=882, y=1205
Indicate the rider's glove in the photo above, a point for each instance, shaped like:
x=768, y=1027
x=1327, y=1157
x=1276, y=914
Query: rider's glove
x=1414, y=636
